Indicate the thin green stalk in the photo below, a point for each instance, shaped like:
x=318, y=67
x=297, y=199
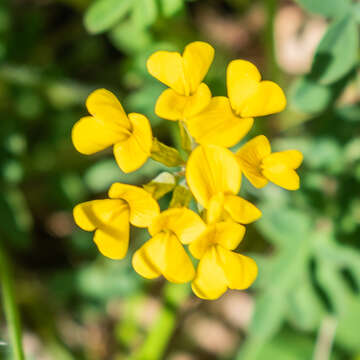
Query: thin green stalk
x=269, y=40
x=10, y=307
x=160, y=334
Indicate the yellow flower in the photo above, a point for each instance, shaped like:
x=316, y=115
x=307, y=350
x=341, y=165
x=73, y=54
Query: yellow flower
x=164, y=253
x=109, y=125
x=260, y=165
x=184, y=74
x=220, y=268
x=214, y=177
x=110, y=218
x=227, y=120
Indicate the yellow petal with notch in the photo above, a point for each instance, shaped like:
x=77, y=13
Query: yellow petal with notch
x=249, y=96
x=132, y=153
x=279, y=168
x=218, y=125
x=268, y=99
x=110, y=219
x=167, y=67
x=226, y=233
x=197, y=58
x=143, y=207
x=164, y=254
x=172, y=106
x=183, y=222
x=211, y=170
x=242, y=79
x=241, y=210
x=240, y=271
x=90, y=136
x=250, y=157
x=290, y=158
x=210, y=281
x=103, y=105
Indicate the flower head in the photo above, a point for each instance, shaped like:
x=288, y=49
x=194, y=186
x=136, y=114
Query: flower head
x=109, y=125
x=184, y=74
x=220, y=268
x=110, y=218
x=227, y=120
x=164, y=253
x=214, y=177
x=260, y=165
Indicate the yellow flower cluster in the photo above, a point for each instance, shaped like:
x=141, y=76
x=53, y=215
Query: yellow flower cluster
x=212, y=172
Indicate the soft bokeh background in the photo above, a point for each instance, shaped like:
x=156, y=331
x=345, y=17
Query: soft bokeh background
x=76, y=304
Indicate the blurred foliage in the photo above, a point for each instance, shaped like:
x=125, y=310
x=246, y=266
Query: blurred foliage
x=75, y=304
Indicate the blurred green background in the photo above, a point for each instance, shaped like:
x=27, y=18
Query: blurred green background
x=76, y=304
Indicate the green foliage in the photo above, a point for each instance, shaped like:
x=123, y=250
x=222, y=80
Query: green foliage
x=306, y=244
x=331, y=8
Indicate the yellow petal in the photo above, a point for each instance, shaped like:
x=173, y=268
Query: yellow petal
x=279, y=168
x=114, y=244
x=111, y=219
x=240, y=271
x=90, y=135
x=250, y=157
x=211, y=170
x=241, y=210
x=184, y=223
x=197, y=58
x=94, y=214
x=210, y=281
x=218, y=125
x=172, y=106
x=248, y=95
x=242, y=78
x=164, y=254
x=290, y=158
x=167, y=67
x=226, y=233
x=103, y=105
x=282, y=176
x=215, y=208
x=143, y=207
x=268, y=99
x=132, y=153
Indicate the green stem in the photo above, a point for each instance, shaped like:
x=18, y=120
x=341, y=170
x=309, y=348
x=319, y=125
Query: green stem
x=157, y=340
x=10, y=307
x=269, y=41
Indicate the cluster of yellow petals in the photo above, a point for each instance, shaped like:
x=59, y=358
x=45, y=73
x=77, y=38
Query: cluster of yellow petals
x=212, y=172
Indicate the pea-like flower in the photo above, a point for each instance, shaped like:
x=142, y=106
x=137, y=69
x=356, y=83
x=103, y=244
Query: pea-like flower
x=219, y=267
x=260, y=165
x=110, y=218
x=164, y=253
x=227, y=120
x=130, y=135
x=184, y=74
x=214, y=177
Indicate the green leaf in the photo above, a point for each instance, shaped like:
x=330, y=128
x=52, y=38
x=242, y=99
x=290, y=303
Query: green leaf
x=289, y=229
x=144, y=13
x=304, y=307
x=171, y=7
x=331, y=8
x=104, y=14
x=337, y=52
x=309, y=96
x=130, y=38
